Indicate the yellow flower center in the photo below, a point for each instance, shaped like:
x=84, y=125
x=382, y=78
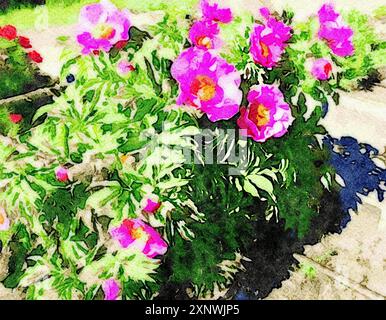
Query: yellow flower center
x=204, y=42
x=138, y=233
x=103, y=31
x=2, y=219
x=124, y=158
x=264, y=49
x=204, y=88
x=259, y=114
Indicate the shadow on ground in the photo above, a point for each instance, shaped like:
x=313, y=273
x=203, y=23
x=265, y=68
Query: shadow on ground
x=271, y=254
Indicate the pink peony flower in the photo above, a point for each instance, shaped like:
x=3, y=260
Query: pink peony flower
x=332, y=29
x=4, y=221
x=268, y=41
x=151, y=206
x=212, y=13
x=203, y=34
x=101, y=25
x=111, y=289
x=321, y=69
x=267, y=115
x=124, y=67
x=61, y=174
x=134, y=232
x=208, y=83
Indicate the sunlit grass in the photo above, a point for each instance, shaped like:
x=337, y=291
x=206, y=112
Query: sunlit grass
x=66, y=12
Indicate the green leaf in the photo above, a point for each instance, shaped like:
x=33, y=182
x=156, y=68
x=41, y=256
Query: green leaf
x=302, y=107
x=250, y=188
x=336, y=98
x=144, y=107
x=132, y=144
x=262, y=183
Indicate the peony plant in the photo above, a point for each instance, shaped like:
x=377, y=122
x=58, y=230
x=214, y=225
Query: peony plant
x=111, y=195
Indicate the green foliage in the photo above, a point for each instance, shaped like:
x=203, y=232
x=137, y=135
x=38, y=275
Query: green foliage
x=171, y=32
x=19, y=246
x=298, y=200
x=370, y=51
x=61, y=207
x=24, y=252
x=226, y=229
x=138, y=290
x=18, y=76
x=18, y=73
x=368, y=56
x=101, y=118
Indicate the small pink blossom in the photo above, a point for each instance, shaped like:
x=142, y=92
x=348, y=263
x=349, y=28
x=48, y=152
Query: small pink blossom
x=213, y=13
x=4, y=221
x=101, y=26
x=204, y=35
x=124, y=67
x=337, y=35
x=136, y=233
x=111, y=289
x=151, y=206
x=208, y=83
x=267, y=115
x=61, y=174
x=321, y=69
x=268, y=41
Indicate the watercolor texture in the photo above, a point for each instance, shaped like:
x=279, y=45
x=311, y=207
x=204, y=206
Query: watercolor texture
x=192, y=150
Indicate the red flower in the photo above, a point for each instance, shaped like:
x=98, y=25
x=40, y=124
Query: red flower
x=15, y=117
x=121, y=44
x=8, y=32
x=35, y=56
x=25, y=42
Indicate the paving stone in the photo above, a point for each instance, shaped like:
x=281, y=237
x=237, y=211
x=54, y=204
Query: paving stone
x=350, y=265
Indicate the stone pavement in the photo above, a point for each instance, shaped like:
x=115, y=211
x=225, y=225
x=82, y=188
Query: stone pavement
x=350, y=265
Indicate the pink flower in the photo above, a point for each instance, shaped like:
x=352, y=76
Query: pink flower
x=15, y=117
x=268, y=41
x=101, y=25
x=61, y=174
x=267, y=115
x=321, y=69
x=4, y=221
x=124, y=67
x=203, y=34
x=134, y=232
x=151, y=206
x=332, y=29
x=111, y=289
x=208, y=83
x=214, y=14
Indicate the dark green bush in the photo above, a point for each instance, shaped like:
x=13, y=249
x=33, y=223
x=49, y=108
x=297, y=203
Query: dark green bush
x=19, y=75
x=6, y=5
